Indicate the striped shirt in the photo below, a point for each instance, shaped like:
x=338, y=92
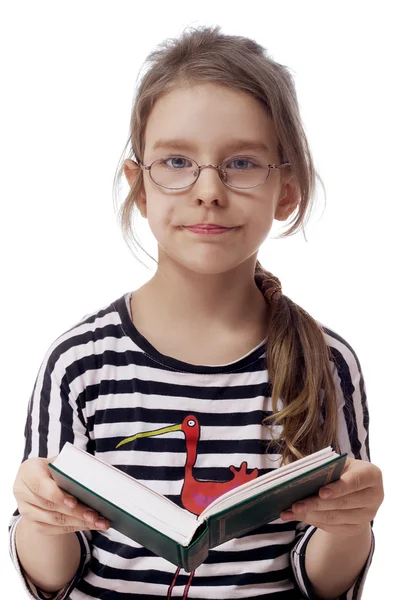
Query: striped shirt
x=102, y=381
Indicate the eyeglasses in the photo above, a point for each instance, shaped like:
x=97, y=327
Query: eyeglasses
x=179, y=172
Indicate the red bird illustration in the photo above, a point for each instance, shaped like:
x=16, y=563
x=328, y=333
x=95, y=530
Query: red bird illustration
x=197, y=495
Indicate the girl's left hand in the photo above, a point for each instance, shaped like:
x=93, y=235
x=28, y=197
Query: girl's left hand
x=352, y=505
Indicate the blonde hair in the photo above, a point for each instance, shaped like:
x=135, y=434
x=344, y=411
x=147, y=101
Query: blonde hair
x=298, y=359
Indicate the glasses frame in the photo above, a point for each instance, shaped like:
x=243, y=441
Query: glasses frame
x=218, y=167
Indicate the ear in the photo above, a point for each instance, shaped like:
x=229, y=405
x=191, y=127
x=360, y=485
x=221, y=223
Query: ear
x=131, y=172
x=289, y=199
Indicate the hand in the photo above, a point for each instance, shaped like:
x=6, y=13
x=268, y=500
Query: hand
x=41, y=501
x=353, y=503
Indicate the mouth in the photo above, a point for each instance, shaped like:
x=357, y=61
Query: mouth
x=208, y=230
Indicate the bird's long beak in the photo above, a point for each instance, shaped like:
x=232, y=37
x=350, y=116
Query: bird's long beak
x=149, y=434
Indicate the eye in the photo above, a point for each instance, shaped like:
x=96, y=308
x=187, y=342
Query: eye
x=178, y=162
x=191, y=423
x=242, y=163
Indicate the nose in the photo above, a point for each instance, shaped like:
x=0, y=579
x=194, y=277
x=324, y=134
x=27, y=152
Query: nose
x=221, y=174
x=209, y=187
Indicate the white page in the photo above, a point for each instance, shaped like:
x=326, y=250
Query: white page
x=131, y=495
x=265, y=482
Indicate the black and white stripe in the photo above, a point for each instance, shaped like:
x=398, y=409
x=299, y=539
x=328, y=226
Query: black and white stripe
x=102, y=381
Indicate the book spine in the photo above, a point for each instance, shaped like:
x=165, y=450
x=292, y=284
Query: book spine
x=195, y=554
x=184, y=559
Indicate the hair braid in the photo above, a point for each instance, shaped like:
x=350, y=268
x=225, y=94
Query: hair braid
x=269, y=284
x=299, y=371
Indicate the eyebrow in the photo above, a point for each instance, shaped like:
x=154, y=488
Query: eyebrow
x=233, y=146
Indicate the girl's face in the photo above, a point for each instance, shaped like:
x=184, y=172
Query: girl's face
x=210, y=118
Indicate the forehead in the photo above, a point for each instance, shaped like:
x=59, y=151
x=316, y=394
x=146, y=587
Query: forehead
x=208, y=115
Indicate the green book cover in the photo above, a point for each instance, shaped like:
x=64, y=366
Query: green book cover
x=261, y=507
x=267, y=505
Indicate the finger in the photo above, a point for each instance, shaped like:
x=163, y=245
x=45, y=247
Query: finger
x=56, y=503
x=346, y=529
x=61, y=520
x=43, y=490
x=331, y=517
x=46, y=529
x=50, y=500
x=42, y=484
x=357, y=475
x=359, y=499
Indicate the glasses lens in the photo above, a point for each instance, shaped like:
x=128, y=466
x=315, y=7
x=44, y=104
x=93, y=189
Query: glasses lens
x=174, y=172
x=245, y=171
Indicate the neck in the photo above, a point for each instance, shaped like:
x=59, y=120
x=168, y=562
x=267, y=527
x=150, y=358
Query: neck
x=227, y=301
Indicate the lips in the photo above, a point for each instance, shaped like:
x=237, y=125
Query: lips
x=208, y=227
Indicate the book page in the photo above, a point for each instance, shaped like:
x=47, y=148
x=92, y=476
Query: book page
x=127, y=493
x=267, y=481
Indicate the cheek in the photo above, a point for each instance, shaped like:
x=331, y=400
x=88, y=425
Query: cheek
x=160, y=217
x=259, y=221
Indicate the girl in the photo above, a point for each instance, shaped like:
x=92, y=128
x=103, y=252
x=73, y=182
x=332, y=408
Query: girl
x=217, y=151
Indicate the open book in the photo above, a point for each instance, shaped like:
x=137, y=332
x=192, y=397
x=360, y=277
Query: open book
x=174, y=533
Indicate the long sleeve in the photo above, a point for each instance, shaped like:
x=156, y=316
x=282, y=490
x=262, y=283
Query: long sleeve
x=53, y=417
x=353, y=439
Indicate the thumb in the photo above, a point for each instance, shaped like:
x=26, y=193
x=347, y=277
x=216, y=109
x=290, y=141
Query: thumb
x=60, y=496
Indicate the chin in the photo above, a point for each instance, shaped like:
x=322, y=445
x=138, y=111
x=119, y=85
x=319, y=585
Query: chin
x=209, y=267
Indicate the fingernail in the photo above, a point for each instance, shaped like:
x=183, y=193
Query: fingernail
x=326, y=493
x=71, y=502
x=90, y=516
x=100, y=523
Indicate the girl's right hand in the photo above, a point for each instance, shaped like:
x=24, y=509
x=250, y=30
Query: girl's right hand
x=41, y=502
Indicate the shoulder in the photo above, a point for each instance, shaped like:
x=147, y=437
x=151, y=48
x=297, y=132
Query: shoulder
x=353, y=413
x=342, y=352
x=346, y=367
x=101, y=327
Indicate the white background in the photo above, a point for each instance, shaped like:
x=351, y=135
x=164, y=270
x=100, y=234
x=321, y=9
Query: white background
x=68, y=75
